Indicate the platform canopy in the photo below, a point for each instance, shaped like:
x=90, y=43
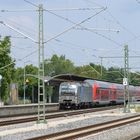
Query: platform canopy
x=56, y=80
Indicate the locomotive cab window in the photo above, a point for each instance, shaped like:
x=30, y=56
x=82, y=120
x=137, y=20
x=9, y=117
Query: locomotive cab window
x=68, y=90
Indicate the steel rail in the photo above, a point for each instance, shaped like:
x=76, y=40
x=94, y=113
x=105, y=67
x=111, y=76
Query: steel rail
x=88, y=130
x=136, y=138
x=55, y=115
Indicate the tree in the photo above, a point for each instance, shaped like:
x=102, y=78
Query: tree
x=58, y=65
x=134, y=78
x=91, y=71
x=86, y=71
x=30, y=73
x=6, y=72
x=114, y=74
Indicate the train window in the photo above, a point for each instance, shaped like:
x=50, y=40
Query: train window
x=104, y=94
x=67, y=89
x=67, y=93
x=97, y=91
x=113, y=91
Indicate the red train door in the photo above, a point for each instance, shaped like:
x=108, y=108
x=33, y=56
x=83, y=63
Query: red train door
x=113, y=94
x=96, y=94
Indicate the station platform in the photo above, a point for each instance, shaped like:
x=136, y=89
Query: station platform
x=27, y=109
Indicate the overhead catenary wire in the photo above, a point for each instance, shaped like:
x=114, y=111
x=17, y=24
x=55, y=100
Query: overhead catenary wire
x=85, y=47
x=124, y=29
x=135, y=37
x=80, y=26
x=98, y=29
x=85, y=50
x=59, y=34
x=49, y=10
x=16, y=30
x=86, y=28
x=130, y=32
x=77, y=24
x=115, y=19
x=71, y=21
x=69, y=44
x=65, y=32
x=66, y=18
x=93, y=2
x=62, y=9
x=35, y=51
x=59, y=16
x=7, y=65
x=19, y=26
x=115, y=42
x=135, y=51
x=20, y=10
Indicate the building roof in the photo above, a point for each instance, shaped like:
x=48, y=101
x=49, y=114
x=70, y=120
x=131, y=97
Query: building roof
x=56, y=80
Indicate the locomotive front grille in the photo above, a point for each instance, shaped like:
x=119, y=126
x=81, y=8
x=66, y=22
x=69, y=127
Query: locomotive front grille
x=68, y=101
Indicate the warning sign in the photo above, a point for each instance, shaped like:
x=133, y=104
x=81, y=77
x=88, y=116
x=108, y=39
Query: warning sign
x=125, y=81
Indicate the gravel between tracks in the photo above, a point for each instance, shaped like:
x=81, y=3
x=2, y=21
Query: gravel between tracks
x=127, y=132
x=29, y=130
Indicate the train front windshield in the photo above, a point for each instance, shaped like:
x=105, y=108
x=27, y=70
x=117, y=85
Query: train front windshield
x=68, y=90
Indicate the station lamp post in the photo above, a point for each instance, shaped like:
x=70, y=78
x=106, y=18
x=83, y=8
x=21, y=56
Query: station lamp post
x=25, y=81
x=0, y=87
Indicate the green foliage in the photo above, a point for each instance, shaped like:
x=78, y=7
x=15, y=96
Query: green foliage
x=135, y=78
x=49, y=90
x=58, y=65
x=6, y=70
x=54, y=66
x=91, y=71
x=113, y=75
x=30, y=73
x=86, y=71
x=18, y=76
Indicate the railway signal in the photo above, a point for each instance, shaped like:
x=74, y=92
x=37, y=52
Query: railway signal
x=125, y=81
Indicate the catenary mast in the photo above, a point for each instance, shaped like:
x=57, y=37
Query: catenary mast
x=41, y=86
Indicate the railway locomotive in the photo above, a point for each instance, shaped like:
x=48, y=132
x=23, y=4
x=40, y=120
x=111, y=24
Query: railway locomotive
x=91, y=93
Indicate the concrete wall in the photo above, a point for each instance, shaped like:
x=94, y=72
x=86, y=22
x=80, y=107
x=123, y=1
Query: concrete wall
x=13, y=110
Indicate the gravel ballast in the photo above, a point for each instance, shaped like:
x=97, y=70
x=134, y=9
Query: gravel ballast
x=127, y=132
x=29, y=130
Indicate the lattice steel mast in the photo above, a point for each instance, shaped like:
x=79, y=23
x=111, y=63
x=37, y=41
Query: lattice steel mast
x=126, y=80
x=41, y=85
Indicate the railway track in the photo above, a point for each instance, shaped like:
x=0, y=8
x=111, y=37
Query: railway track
x=88, y=130
x=137, y=138
x=56, y=115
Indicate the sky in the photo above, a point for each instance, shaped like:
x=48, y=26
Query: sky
x=104, y=28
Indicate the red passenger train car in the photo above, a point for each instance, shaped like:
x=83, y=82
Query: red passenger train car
x=111, y=93
x=93, y=92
